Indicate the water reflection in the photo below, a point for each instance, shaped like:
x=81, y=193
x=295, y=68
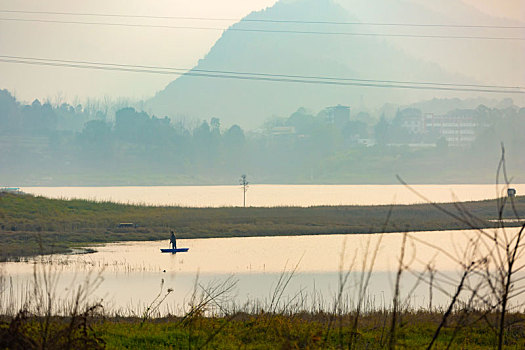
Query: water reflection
x=133, y=271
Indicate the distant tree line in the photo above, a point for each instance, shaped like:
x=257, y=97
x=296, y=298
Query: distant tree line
x=51, y=144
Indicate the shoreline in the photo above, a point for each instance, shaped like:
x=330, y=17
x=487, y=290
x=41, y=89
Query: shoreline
x=32, y=225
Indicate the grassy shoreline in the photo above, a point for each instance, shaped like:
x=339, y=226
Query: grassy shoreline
x=32, y=225
x=272, y=331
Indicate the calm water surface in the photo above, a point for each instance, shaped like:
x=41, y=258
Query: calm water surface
x=276, y=195
x=133, y=272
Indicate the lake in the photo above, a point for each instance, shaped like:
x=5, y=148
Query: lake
x=132, y=273
x=277, y=195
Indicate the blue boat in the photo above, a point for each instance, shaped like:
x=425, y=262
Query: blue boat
x=176, y=250
x=173, y=249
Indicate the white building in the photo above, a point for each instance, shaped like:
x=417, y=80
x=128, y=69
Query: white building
x=459, y=130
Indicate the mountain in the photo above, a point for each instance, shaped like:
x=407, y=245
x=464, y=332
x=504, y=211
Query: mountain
x=248, y=102
x=496, y=62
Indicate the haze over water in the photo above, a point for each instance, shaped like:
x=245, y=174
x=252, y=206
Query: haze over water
x=276, y=195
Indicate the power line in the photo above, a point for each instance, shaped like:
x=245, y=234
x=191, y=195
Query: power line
x=436, y=25
x=185, y=70
x=424, y=36
x=258, y=78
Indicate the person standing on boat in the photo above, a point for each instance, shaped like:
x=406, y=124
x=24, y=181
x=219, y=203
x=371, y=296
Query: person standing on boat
x=173, y=240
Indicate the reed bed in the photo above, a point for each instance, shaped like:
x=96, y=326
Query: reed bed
x=31, y=226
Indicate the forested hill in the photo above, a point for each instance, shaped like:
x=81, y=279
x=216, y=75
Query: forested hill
x=249, y=103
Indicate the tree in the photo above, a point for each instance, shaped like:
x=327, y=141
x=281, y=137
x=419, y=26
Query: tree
x=442, y=145
x=96, y=140
x=244, y=183
x=234, y=138
x=215, y=125
x=381, y=131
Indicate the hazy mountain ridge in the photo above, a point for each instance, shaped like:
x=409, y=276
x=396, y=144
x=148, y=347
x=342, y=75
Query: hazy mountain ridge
x=497, y=62
x=443, y=106
x=249, y=103
x=422, y=11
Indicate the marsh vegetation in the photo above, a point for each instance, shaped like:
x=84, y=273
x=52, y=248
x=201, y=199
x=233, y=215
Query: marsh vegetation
x=31, y=225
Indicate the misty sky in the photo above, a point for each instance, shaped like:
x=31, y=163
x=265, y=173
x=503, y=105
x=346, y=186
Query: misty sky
x=142, y=46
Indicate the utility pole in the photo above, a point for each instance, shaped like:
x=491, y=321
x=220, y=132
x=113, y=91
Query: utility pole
x=244, y=183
